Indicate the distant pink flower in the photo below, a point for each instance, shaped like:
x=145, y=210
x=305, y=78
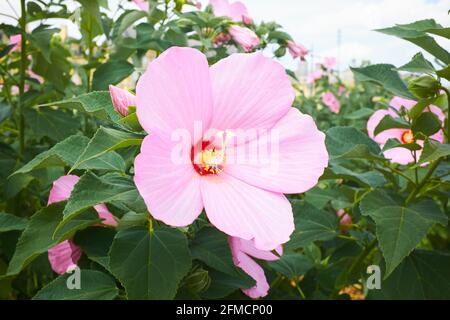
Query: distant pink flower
x=142, y=4
x=245, y=37
x=247, y=20
x=341, y=90
x=297, y=50
x=239, y=93
x=314, y=76
x=198, y=4
x=16, y=40
x=242, y=251
x=121, y=99
x=331, y=102
x=237, y=11
x=66, y=254
x=345, y=219
x=329, y=62
x=400, y=155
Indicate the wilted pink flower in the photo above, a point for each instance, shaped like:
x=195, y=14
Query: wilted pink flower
x=245, y=37
x=65, y=255
x=329, y=62
x=331, y=102
x=222, y=38
x=242, y=252
x=121, y=99
x=400, y=155
x=16, y=40
x=314, y=76
x=297, y=50
x=345, y=219
x=242, y=92
x=247, y=20
x=142, y=4
x=236, y=10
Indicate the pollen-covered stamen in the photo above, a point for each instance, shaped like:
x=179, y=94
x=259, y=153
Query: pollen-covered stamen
x=407, y=137
x=211, y=158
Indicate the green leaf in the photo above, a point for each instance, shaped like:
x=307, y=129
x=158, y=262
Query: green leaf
x=415, y=35
x=111, y=72
x=9, y=222
x=126, y=20
x=96, y=242
x=54, y=124
x=433, y=150
x=40, y=38
x=418, y=64
x=223, y=284
x=97, y=103
x=150, y=266
x=38, y=237
x=92, y=190
x=444, y=73
x=350, y=143
x=359, y=114
x=369, y=179
x=103, y=141
x=394, y=143
x=311, y=224
x=211, y=247
x=66, y=152
x=399, y=228
x=292, y=265
x=423, y=275
x=385, y=76
x=95, y=285
x=389, y=122
x=427, y=123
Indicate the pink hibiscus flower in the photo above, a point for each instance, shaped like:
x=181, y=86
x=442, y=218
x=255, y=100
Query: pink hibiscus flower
x=121, y=99
x=64, y=256
x=331, y=102
x=241, y=93
x=329, y=62
x=245, y=37
x=16, y=40
x=400, y=155
x=297, y=50
x=237, y=11
x=142, y=4
x=314, y=76
x=242, y=251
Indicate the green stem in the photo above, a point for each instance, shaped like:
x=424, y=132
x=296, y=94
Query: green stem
x=23, y=57
x=419, y=187
x=447, y=92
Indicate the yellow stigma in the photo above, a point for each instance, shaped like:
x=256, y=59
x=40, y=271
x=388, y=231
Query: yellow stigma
x=408, y=137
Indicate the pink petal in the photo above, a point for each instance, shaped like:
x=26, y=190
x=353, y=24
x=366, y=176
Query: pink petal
x=296, y=163
x=16, y=40
x=250, y=92
x=248, y=247
x=245, y=37
x=142, y=4
x=62, y=187
x=401, y=155
x=121, y=99
x=106, y=216
x=241, y=210
x=170, y=190
x=237, y=11
x=385, y=135
x=397, y=103
x=175, y=91
x=239, y=250
x=64, y=256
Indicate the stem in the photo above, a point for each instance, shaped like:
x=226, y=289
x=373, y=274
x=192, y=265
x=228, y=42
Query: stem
x=419, y=187
x=447, y=92
x=23, y=57
x=362, y=256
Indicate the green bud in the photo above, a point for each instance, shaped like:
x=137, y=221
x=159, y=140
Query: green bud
x=424, y=87
x=197, y=281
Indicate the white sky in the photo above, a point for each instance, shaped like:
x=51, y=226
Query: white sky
x=315, y=23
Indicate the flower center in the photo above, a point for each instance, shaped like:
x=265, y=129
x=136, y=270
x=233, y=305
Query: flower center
x=407, y=137
x=210, y=158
